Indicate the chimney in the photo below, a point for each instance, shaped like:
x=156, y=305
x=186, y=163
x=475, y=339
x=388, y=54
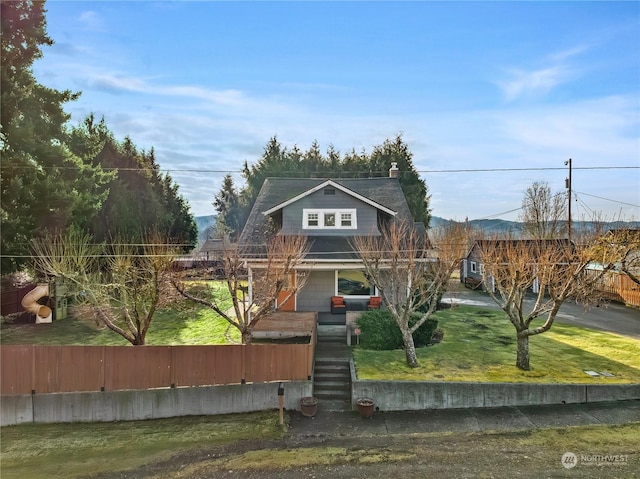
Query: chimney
x=393, y=171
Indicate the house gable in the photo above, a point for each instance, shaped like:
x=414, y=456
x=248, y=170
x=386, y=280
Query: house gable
x=279, y=199
x=329, y=185
x=331, y=211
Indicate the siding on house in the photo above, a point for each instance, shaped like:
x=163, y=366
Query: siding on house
x=366, y=215
x=317, y=292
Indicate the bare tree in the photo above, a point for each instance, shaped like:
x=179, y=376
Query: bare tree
x=549, y=272
x=543, y=214
x=121, y=285
x=410, y=273
x=624, y=244
x=284, y=253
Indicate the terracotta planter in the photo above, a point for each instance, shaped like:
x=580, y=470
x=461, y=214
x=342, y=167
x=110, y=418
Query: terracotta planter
x=366, y=407
x=308, y=406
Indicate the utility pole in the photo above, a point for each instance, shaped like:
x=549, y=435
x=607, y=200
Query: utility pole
x=567, y=184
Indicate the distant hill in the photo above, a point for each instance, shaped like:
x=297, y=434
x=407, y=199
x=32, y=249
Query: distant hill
x=488, y=226
x=503, y=226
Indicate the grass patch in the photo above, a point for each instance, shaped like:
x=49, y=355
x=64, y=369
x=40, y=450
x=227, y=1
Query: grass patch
x=87, y=449
x=183, y=322
x=188, y=447
x=480, y=345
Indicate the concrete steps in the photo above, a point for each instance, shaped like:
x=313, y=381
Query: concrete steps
x=332, y=378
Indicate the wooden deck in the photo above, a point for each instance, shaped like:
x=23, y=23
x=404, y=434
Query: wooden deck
x=281, y=325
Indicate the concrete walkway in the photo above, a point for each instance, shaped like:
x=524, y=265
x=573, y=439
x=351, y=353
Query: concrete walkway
x=328, y=423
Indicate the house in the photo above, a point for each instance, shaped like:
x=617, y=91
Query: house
x=329, y=212
x=472, y=266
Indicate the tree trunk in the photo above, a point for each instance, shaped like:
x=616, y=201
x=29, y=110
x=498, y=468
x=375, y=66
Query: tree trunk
x=522, y=358
x=246, y=336
x=409, y=349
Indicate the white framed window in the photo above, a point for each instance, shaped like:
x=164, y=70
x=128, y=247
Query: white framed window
x=329, y=218
x=312, y=220
x=474, y=268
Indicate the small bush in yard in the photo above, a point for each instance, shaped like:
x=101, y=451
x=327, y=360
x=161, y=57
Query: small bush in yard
x=379, y=330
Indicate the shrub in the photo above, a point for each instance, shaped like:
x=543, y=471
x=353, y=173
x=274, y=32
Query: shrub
x=379, y=330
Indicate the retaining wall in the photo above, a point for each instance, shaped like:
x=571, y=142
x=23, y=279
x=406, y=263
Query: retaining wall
x=149, y=404
x=414, y=395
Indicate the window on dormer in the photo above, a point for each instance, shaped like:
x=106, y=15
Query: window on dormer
x=326, y=218
x=312, y=219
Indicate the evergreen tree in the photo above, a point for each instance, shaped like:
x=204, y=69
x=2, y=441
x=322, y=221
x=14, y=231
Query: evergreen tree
x=277, y=161
x=414, y=188
x=230, y=212
x=44, y=186
x=141, y=200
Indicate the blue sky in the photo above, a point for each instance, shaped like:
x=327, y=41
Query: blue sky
x=469, y=85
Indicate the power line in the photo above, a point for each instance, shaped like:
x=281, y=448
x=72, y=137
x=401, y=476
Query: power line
x=207, y=170
x=609, y=199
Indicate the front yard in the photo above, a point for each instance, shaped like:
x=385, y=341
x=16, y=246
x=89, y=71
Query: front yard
x=479, y=345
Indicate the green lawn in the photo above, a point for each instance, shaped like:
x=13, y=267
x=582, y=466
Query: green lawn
x=480, y=345
x=181, y=323
x=141, y=448
x=87, y=449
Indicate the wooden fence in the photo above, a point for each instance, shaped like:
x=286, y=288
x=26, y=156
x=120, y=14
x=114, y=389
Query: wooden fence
x=10, y=299
x=52, y=369
x=619, y=287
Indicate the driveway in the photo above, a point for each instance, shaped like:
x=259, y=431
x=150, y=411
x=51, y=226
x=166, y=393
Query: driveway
x=610, y=317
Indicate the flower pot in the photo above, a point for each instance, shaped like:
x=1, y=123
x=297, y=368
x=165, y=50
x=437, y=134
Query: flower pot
x=308, y=406
x=365, y=407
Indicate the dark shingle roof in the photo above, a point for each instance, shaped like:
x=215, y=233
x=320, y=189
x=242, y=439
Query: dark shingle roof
x=384, y=191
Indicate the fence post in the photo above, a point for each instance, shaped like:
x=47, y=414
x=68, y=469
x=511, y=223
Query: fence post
x=243, y=379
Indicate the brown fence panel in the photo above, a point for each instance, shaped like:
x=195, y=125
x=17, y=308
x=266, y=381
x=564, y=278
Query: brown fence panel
x=82, y=368
x=258, y=359
x=629, y=291
x=11, y=299
x=290, y=362
x=47, y=367
x=137, y=367
x=207, y=365
x=281, y=362
x=194, y=366
x=619, y=287
x=16, y=369
x=229, y=363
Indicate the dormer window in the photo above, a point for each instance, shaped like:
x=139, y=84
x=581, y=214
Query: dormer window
x=312, y=220
x=330, y=191
x=329, y=219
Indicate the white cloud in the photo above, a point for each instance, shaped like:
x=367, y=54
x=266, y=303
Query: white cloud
x=534, y=83
x=523, y=83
